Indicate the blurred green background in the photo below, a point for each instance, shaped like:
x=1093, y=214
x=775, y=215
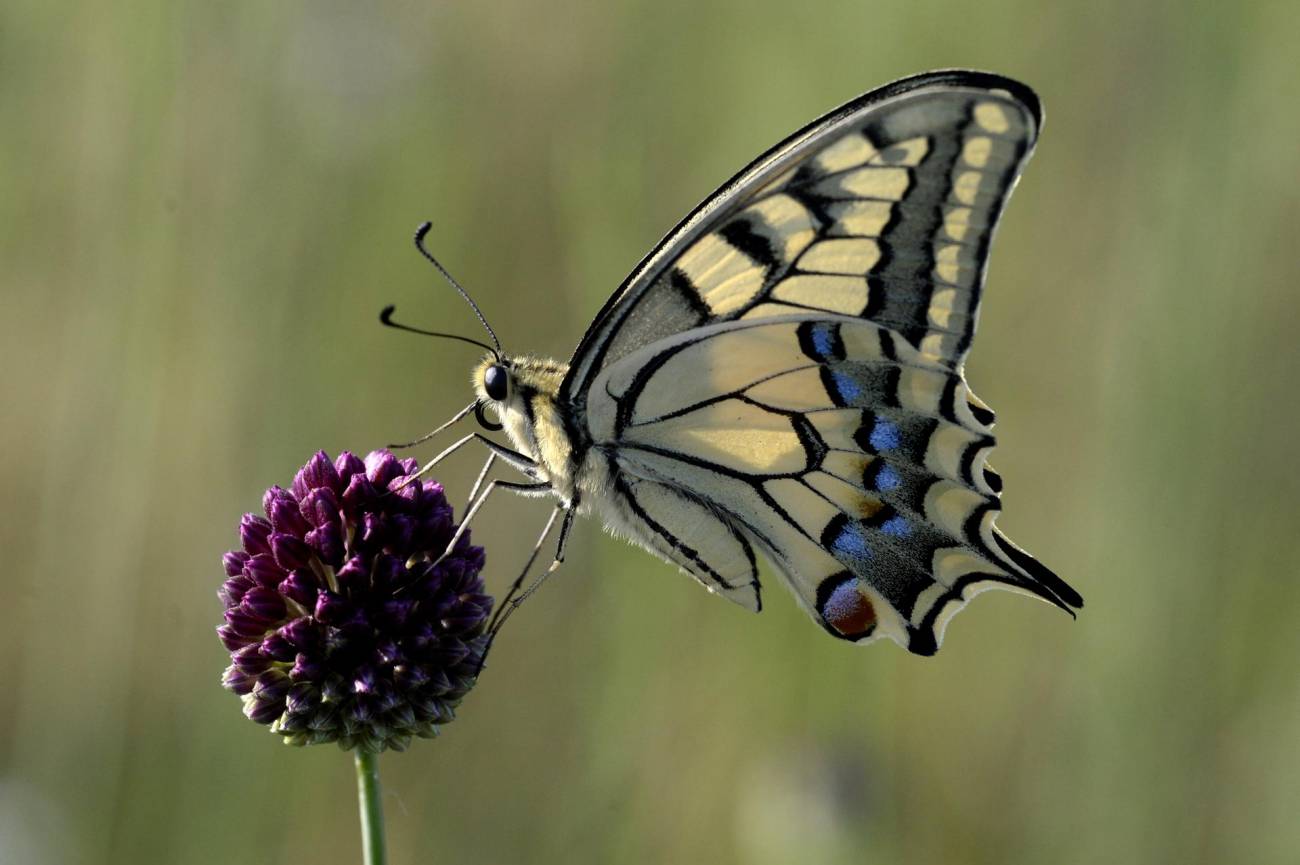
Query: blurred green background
x=204, y=207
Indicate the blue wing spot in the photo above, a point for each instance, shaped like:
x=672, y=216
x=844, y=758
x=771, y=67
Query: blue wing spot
x=851, y=543
x=849, y=389
x=887, y=480
x=885, y=436
x=823, y=340
x=896, y=526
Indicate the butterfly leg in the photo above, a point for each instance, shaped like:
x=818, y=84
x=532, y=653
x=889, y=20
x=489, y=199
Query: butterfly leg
x=538, y=488
x=424, y=438
x=564, y=537
x=509, y=602
x=446, y=452
x=512, y=458
x=478, y=482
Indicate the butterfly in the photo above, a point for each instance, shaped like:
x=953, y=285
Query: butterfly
x=783, y=374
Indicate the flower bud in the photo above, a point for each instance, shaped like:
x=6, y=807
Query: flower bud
x=339, y=627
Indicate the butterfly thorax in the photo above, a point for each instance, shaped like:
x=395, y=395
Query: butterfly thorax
x=531, y=417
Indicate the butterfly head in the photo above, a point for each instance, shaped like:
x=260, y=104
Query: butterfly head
x=512, y=386
x=523, y=393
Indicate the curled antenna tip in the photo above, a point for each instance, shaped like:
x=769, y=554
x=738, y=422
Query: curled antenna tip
x=386, y=319
x=422, y=231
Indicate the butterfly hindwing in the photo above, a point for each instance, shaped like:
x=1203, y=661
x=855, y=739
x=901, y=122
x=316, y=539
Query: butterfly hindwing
x=856, y=464
x=690, y=532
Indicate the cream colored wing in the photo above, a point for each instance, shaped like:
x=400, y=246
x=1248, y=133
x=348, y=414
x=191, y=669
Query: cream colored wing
x=855, y=460
x=883, y=209
x=788, y=364
x=688, y=530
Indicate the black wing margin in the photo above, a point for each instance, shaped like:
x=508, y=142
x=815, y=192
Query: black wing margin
x=882, y=209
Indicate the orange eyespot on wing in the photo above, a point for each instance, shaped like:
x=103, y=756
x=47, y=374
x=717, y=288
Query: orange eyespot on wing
x=845, y=608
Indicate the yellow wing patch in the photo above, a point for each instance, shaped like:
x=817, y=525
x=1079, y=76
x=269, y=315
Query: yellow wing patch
x=736, y=435
x=841, y=294
x=855, y=256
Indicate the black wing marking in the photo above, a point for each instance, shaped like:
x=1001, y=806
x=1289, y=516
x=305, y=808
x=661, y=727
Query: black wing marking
x=883, y=209
x=858, y=465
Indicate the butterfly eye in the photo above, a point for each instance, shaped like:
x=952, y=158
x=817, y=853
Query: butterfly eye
x=495, y=381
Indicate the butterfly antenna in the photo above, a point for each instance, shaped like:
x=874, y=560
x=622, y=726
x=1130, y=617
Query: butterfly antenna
x=386, y=318
x=420, y=234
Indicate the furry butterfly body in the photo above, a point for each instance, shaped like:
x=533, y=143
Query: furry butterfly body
x=782, y=376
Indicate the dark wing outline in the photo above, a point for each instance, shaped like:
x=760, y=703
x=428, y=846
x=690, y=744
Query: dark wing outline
x=583, y=369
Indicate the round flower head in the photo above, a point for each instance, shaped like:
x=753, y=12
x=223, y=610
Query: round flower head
x=341, y=627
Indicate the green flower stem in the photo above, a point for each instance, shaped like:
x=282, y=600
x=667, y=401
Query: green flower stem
x=372, y=808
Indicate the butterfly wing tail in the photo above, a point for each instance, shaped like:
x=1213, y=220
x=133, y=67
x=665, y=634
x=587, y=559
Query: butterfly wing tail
x=1034, y=575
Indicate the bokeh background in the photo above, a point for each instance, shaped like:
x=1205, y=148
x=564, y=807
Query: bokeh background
x=204, y=206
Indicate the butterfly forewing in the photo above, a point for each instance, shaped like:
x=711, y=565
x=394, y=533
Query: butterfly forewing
x=883, y=209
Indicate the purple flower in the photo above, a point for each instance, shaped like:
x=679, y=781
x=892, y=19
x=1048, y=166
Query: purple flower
x=339, y=625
